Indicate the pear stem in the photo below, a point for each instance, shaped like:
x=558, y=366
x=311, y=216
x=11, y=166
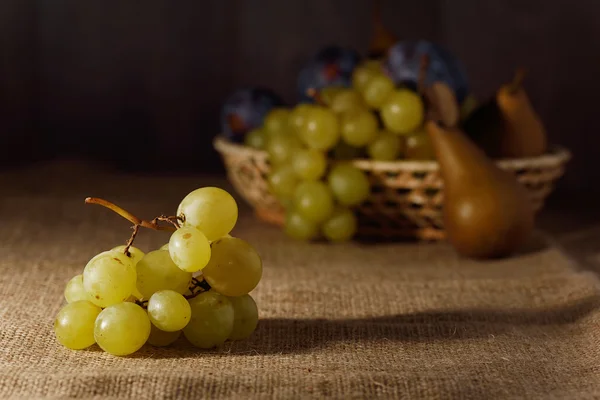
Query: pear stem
x=315, y=95
x=517, y=81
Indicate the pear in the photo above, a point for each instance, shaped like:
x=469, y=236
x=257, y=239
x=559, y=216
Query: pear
x=382, y=39
x=524, y=134
x=507, y=126
x=487, y=213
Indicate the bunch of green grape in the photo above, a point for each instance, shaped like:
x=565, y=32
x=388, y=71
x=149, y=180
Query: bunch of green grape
x=197, y=284
x=311, y=146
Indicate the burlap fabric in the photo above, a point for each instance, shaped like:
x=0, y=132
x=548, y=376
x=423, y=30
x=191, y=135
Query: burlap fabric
x=349, y=321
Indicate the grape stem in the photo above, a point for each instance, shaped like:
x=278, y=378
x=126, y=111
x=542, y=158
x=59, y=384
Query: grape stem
x=130, y=217
x=136, y=228
x=315, y=95
x=198, y=286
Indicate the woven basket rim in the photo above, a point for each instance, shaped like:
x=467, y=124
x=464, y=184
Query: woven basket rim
x=556, y=155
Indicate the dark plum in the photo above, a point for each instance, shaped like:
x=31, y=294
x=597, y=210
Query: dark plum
x=331, y=66
x=245, y=110
x=404, y=59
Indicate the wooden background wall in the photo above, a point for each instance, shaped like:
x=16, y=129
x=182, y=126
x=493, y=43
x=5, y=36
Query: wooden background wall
x=142, y=81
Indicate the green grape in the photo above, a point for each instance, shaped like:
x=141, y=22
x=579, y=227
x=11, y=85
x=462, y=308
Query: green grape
x=168, y=310
x=419, y=147
x=189, y=249
x=283, y=181
x=211, y=210
x=157, y=271
x=211, y=322
x=403, y=111
x=362, y=75
x=298, y=227
x=134, y=253
x=245, y=317
x=276, y=121
x=321, y=129
x=373, y=65
x=122, y=329
x=109, y=278
x=282, y=148
x=377, y=90
x=309, y=164
x=343, y=151
x=235, y=268
x=347, y=101
x=160, y=338
x=256, y=138
x=74, y=290
x=164, y=247
x=341, y=226
x=298, y=115
x=314, y=201
x=74, y=324
x=329, y=93
x=386, y=147
x=349, y=184
x=359, y=128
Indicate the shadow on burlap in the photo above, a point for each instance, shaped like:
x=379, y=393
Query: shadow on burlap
x=337, y=321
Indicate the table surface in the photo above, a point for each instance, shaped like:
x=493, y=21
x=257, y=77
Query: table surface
x=340, y=321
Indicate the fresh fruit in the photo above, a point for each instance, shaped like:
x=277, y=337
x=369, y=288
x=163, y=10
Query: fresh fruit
x=331, y=66
x=283, y=181
x=362, y=75
x=109, y=278
x=329, y=93
x=377, y=89
x=135, y=254
x=74, y=324
x=168, y=310
x=341, y=226
x=487, y=213
x=235, y=268
x=442, y=104
x=524, y=134
x=256, y=138
x=163, y=299
x=359, y=128
x=321, y=129
x=349, y=185
x=74, y=290
x=297, y=118
x=212, y=320
x=309, y=164
x=314, y=201
x=418, y=147
x=245, y=110
x=189, y=249
x=281, y=149
x=122, y=329
x=211, y=210
x=276, y=122
x=402, y=112
x=385, y=147
x=160, y=338
x=157, y=271
x=300, y=228
x=404, y=60
x=347, y=101
x=245, y=317
x=382, y=39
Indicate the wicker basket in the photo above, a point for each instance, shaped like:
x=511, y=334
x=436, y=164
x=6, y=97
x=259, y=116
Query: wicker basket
x=406, y=199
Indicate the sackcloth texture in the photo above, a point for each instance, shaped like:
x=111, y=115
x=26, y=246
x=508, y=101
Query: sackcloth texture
x=403, y=320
